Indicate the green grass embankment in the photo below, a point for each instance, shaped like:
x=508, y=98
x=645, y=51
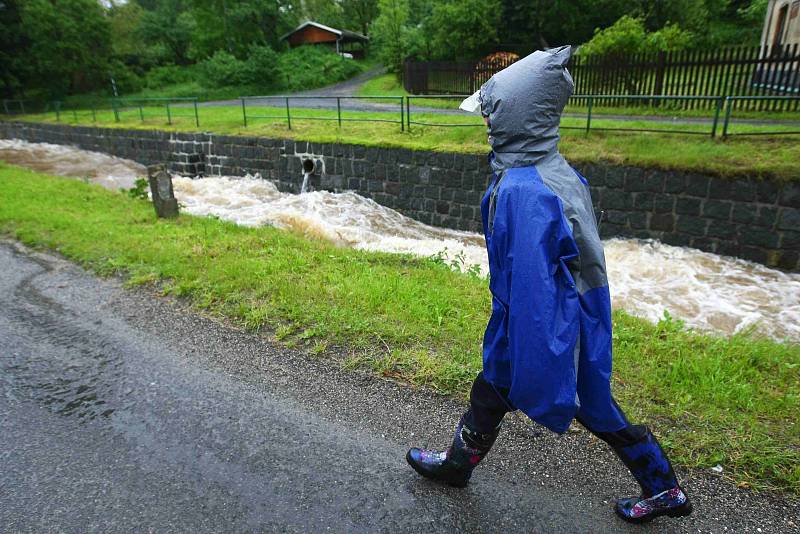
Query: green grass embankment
x=732, y=401
x=769, y=157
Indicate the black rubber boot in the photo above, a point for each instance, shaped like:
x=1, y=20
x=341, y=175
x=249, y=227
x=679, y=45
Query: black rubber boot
x=453, y=466
x=661, y=493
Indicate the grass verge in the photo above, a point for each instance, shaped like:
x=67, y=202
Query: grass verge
x=732, y=401
x=767, y=157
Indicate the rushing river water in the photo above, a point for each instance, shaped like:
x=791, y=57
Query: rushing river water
x=705, y=290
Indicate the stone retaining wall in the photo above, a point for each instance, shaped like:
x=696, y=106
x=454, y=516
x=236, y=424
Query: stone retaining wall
x=749, y=218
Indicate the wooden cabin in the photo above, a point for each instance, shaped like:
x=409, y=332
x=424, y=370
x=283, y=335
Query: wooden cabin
x=314, y=33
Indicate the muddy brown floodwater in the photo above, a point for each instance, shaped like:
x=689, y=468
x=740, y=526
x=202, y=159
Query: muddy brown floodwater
x=707, y=291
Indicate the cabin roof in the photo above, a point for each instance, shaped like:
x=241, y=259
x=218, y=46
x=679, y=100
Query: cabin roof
x=344, y=35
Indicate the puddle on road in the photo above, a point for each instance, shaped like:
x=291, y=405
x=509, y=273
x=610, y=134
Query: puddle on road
x=59, y=361
x=705, y=290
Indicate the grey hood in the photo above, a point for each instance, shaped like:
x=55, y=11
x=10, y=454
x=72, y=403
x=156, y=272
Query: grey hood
x=524, y=103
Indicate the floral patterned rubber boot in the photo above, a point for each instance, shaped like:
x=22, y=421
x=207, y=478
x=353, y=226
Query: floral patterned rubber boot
x=661, y=494
x=453, y=466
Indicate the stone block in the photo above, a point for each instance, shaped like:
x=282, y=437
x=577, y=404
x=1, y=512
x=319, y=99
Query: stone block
x=722, y=230
x=744, y=213
x=616, y=200
x=663, y=203
x=788, y=259
x=688, y=206
x=743, y=190
x=759, y=237
x=637, y=220
x=643, y=201
x=445, y=160
x=664, y=222
x=615, y=178
x=677, y=240
x=433, y=192
x=164, y=201
x=789, y=219
x=790, y=195
x=755, y=254
x=694, y=226
x=704, y=243
x=616, y=217
x=452, y=178
x=697, y=185
x=608, y=229
x=717, y=209
x=790, y=240
x=767, y=192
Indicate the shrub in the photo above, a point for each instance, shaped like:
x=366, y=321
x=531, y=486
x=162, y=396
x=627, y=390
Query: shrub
x=222, y=70
x=307, y=67
x=126, y=79
x=160, y=77
x=670, y=37
x=626, y=36
x=629, y=36
x=261, y=67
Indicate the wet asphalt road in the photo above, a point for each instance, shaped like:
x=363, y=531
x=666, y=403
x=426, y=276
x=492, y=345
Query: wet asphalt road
x=121, y=411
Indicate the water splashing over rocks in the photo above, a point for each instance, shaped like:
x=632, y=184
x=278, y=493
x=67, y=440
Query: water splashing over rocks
x=707, y=291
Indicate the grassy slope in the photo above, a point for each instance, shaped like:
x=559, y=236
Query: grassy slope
x=770, y=157
x=713, y=400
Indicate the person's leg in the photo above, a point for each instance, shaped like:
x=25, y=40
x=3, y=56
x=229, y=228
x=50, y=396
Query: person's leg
x=641, y=453
x=474, y=436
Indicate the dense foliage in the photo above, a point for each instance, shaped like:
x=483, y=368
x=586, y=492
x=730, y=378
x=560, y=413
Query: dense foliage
x=52, y=48
x=629, y=36
x=450, y=29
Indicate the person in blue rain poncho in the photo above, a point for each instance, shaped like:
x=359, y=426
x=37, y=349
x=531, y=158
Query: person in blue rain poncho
x=547, y=347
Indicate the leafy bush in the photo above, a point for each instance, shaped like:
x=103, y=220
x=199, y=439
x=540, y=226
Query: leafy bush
x=307, y=67
x=222, y=70
x=626, y=36
x=159, y=77
x=261, y=67
x=629, y=36
x=670, y=37
x=125, y=77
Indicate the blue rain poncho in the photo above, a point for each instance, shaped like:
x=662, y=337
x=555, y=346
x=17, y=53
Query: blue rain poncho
x=549, y=337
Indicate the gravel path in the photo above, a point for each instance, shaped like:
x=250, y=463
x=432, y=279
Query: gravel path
x=121, y=410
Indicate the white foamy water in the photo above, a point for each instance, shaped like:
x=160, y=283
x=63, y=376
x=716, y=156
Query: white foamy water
x=707, y=291
x=109, y=171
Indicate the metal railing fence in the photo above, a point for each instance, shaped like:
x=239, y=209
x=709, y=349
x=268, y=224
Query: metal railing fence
x=258, y=101
x=731, y=104
x=61, y=110
x=717, y=104
x=719, y=122
x=171, y=106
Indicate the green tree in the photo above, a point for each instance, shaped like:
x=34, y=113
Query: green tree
x=70, y=44
x=390, y=33
x=13, y=49
x=125, y=19
x=166, y=32
x=328, y=12
x=235, y=26
x=629, y=36
x=462, y=29
x=359, y=14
